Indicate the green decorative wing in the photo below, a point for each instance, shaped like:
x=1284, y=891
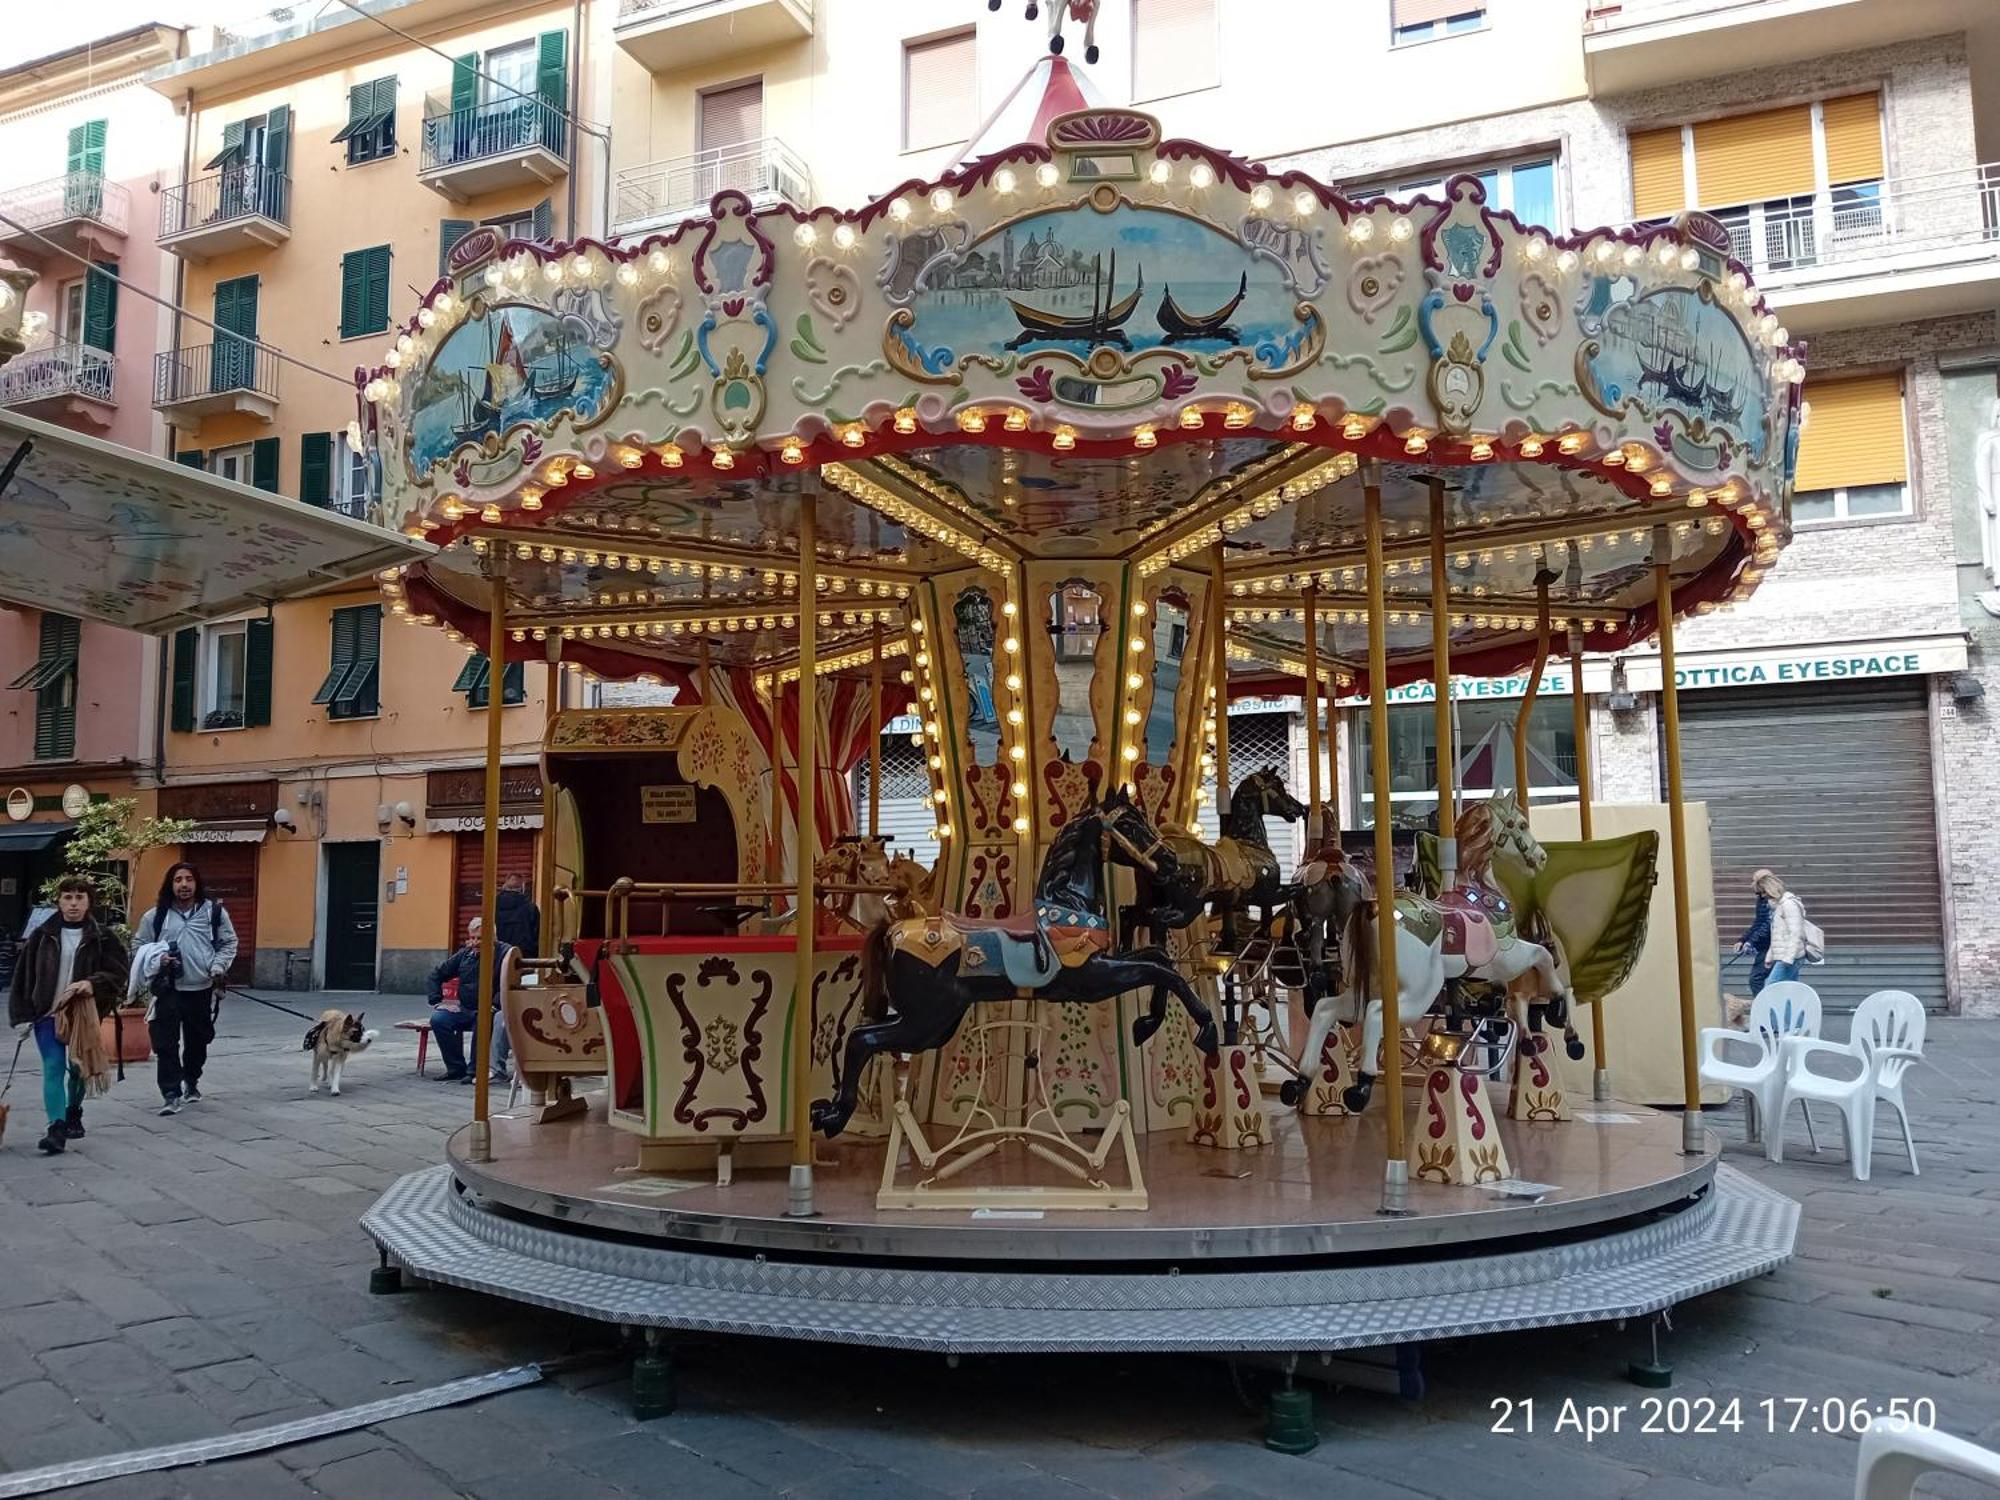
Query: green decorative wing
x=1596, y=895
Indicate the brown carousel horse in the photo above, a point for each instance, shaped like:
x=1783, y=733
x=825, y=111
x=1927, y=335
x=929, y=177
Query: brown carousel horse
x=919, y=977
x=856, y=859
x=1237, y=872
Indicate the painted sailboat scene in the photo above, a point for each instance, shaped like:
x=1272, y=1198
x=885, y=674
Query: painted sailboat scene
x=516, y=364
x=1131, y=279
x=1671, y=350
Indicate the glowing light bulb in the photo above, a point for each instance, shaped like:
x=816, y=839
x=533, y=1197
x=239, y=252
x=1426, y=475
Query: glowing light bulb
x=806, y=236
x=1005, y=181
x=1047, y=175
x=843, y=236
x=1201, y=177
x=943, y=199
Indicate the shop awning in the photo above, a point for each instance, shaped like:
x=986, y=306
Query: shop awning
x=93, y=529
x=26, y=838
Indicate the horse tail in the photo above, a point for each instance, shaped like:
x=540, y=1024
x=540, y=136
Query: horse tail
x=875, y=971
x=1358, y=943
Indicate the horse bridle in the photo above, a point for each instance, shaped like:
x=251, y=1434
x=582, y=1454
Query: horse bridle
x=1141, y=857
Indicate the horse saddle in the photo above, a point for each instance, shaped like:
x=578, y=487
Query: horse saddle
x=1243, y=865
x=1032, y=947
x=1468, y=916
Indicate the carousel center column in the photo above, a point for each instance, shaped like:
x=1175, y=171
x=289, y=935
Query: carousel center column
x=1670, y=706
x=799, y=1201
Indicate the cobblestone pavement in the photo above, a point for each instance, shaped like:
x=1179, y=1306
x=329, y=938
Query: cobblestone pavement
x=175, y=1278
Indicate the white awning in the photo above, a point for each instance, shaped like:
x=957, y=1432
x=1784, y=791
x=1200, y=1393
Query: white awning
x=93, y=529
x=224, y=833
x=476, y=823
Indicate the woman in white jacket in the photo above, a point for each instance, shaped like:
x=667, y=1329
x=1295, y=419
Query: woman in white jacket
x=1788, y=926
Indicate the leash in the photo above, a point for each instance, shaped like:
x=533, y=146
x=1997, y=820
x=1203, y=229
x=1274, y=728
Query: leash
x=220, y=991
x=19, y=1042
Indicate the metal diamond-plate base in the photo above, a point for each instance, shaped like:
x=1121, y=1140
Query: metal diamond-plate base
x=1737, y=1230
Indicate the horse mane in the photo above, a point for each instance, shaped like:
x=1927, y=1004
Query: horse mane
x=1475, y=839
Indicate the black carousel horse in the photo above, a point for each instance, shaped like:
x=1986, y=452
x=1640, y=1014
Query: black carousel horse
x=920, y=976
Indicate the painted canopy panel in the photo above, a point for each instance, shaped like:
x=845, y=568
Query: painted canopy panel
x=93, y=529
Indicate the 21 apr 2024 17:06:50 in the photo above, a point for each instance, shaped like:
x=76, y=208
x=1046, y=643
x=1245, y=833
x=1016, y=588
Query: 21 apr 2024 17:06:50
x=1695, y=1416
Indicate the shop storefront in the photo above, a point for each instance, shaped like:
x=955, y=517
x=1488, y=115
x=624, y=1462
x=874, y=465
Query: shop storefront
x=232, y=820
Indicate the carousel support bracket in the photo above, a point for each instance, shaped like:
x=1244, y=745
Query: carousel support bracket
x=653, y=1393
x=480, y=1146
x=1579, y=704
x=1289, y=1426
x=1670, y=708
x=799, y=1200
x=1396, y=1167
x=1651, y=1373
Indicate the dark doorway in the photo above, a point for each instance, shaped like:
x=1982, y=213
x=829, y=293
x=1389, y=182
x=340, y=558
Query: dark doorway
x=353, y=872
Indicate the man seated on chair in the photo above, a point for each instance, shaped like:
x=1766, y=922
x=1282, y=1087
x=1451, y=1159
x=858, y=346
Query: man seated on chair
x=453, y=1023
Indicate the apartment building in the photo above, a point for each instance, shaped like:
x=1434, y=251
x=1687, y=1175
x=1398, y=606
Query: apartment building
x=79, y=702
x=1837, y=725
x=322, y=165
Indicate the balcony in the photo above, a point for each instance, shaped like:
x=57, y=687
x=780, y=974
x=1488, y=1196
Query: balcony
x=666, y=35
x=662, y=193
x=201, y=381
x=486, y=148
x=1635, y=44
x=1907, y=247
x=241, y=206
x=80, y=212
x=65, y=382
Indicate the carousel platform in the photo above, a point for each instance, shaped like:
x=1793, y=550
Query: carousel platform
x=1278, y=1249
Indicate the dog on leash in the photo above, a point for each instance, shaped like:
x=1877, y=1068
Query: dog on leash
x=332, y=1040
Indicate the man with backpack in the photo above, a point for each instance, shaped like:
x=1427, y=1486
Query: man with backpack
x=200, y=945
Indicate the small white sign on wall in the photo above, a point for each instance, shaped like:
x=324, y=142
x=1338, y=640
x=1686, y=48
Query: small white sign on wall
x=666, y=804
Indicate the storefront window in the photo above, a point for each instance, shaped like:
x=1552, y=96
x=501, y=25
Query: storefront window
x=1484, y=730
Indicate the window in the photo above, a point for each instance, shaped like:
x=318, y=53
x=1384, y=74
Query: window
x=254, y=165
x=1853, y=455
x=69, y=324
x=940, y=91
x=364, y=292
x=224, y=675
x=1175, y=48
x=52, y=679
x=475, y=680
x=370, y=132
x=83, y=187
x=1427, y=20
x=507, y=99
x=1484, y=731
x=353, y=478
x=510, y=73
x=1526, y=189
x=231, y=463
x=351, y=687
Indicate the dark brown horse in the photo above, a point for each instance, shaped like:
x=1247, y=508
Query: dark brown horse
x=920, y=976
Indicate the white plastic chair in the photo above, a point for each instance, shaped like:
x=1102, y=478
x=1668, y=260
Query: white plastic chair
x=1895, y=1455
x=1887, y=1038
x=1782, y=1011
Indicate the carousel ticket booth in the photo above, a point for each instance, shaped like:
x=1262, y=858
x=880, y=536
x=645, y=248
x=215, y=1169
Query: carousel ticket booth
x=1236, y=435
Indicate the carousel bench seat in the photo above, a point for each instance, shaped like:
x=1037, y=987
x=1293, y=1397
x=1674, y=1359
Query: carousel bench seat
x=556, y=1034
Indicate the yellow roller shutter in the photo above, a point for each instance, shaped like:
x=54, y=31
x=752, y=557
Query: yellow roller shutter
x=1853, y=138
x=1854, y=435
x=1749, y=158
x=1659, y=184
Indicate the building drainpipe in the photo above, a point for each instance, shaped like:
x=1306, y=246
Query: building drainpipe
x=180, y=264
x=575, y=102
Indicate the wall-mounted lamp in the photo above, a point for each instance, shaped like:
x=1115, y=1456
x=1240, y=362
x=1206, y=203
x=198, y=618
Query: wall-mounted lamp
x=406, y=814
x=284, y=821
x=1620, y=700
x=1965, y=688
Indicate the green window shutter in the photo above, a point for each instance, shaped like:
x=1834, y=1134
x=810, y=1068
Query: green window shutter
x=545, y=222
x=376, y=268
x=232, y=135
x=343, y=655
x=450, y=232
x=187, y=646
x=192, y=457
x=257, y=642
x=264, y=464
x=100, y=307
x=278, y=140
x=55, y=698
x=316, y=467
x=464, y=81
x=236, y=305
x=551, y=68
x=360, y=105
x=514, y=684
x=86, y=147
x=353, y=294
x=472, y=674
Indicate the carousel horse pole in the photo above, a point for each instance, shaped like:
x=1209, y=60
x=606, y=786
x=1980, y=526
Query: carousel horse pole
x=875, y=738
x=799, y=1198
x=1670, y=705
x=1445, y=750
x=1396, y=1162
x=1312, y=716
x=1579, y=707
x=481, y=1144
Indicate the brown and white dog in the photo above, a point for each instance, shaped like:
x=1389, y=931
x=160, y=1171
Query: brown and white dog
x=332, y=1040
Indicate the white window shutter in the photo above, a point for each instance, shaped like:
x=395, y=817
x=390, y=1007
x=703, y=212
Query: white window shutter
x=1175, y=47
x=940, y=91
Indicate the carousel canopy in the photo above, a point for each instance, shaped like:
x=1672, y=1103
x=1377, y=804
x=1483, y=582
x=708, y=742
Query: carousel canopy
x=102, y=531
x=1098, y=347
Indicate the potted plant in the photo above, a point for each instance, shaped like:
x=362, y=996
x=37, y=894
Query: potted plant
x=101, y=847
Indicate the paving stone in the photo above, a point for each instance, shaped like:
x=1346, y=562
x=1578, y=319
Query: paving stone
x=647, y=1464
x=122, y=1299
x=56, y=1325
x=304, y=1458
x=109, y=1367
x=243, y=1388
x=381, y=1474
x=182, y=1343
x=549, y=1480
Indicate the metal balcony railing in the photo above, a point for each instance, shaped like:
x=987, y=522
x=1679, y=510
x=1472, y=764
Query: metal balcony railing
x=74, y=195
x=59, y=370
x=673, y=10
x=682, y=186
x=477, y=132
x=1867, y=221
x=200, y=371
x=239, y=191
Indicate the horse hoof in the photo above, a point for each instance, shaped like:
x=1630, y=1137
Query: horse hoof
x=1355, y=1096
x=1574, y=1047
x=1090, y=54
x=1292, y=1092
x=1143, y=1029
x=828, y=1118
x=1056, y=45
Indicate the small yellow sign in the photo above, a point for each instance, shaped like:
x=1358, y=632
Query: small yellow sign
x=666, y=804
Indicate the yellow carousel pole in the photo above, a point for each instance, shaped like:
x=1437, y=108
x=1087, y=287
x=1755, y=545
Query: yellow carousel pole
x=1670, y=707
x=1579, y=708
x=1534, y=691
x=489, y=865
x=545, y=864
x=1313, y=830
x=1396, y=1169
x=799, y=1203
x=1447, y=751
x=1218, y=662
x=875, y=740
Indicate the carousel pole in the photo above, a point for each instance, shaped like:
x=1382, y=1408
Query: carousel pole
x=1218, y=662
x=1579, y=708
x=1447, y=751
x=1313, y=830
x=545, y=863
x=1670, y=706
x=1396, y=1169
x=1542, y=580
x=875, y=740
x=799, y=1204
x=481, y=1146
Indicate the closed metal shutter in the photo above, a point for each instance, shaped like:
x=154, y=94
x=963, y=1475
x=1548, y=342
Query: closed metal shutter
x=1258, y=740
x=907, y=813
x=229, y=874
x=517, y=857
x=1831, y=788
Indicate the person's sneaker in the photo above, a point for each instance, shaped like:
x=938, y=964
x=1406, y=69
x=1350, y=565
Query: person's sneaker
x=193, y=1095
x=171, y=1106
x=51, y=1143
x=72, y=1124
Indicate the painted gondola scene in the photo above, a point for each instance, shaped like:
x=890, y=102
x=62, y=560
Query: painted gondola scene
x=1673, y=350
x=516, y=364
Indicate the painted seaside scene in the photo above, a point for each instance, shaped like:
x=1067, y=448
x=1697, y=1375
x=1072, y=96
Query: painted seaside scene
x=516, y=364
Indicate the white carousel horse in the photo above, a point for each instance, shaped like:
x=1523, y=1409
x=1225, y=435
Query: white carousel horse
x=1061, y=12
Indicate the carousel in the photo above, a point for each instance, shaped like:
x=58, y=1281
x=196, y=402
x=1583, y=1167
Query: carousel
x=1058, y=455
